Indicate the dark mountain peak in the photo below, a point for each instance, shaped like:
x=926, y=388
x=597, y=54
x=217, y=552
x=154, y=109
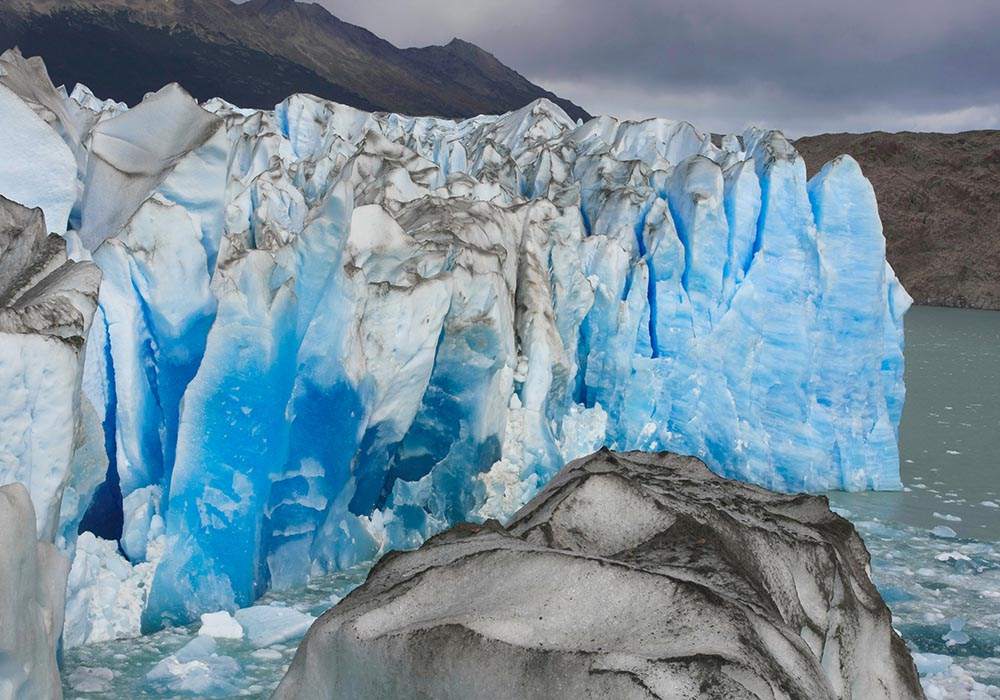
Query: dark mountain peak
x=270, y=6
x=461, y=44
x=256, y=53
x=292, y=8
x=473, y=53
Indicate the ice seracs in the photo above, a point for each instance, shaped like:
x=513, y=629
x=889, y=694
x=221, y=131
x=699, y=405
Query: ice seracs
x=324, y=333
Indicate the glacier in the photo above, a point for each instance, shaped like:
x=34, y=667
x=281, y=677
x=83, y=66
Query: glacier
x=324, y=333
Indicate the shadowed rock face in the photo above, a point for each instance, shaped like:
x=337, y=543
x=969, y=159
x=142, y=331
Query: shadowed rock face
x=629, y=576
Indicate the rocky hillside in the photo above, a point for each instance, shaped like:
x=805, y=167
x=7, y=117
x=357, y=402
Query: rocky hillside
x=257, y=53
x=939, y=198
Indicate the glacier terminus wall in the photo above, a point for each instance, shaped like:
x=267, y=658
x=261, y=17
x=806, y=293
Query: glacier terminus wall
x=323, y=333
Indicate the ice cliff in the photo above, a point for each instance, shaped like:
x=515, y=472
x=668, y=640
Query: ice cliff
x=324, y=333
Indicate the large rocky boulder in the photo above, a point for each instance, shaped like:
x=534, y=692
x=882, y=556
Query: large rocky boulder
x=628, y=576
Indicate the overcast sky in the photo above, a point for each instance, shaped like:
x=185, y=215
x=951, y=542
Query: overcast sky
x=803, y=66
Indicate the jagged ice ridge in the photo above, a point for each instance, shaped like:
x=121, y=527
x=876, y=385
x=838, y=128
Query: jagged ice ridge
x=323, y=333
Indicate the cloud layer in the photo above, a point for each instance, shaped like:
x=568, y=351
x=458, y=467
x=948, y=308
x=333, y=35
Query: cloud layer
x=804, y=66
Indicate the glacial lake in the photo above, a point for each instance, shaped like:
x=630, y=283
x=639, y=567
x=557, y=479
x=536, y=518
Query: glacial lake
x=934, y=545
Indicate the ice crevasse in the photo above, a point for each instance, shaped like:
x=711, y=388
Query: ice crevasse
x=324, y=333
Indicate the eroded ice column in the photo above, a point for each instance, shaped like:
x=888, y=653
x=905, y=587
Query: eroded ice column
x=46, y=307
x=232, y=439
x=859, y=320
x=32, y=589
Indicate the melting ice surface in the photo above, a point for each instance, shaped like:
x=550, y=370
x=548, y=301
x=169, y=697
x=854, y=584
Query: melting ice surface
x=933, y=583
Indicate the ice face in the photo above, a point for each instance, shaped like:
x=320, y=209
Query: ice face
x=324, y=333
x=46, y=307
x=32, y=589
x=39, y=169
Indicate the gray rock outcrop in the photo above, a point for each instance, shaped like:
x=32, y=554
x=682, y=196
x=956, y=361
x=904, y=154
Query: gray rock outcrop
x=628, y=576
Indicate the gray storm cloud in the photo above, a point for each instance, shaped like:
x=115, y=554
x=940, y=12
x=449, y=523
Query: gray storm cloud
x=806, y=67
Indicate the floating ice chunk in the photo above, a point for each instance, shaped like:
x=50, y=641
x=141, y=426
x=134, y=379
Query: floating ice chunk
x=266, y=654
x=956, y=635
x=267, y=625
x=91, y=680
x=944, y=531
x=952, y=556
x=221, y=625
x=931, y=663
x=990, y=504
x=946, y=516
x=955, y=638
x=197, y=669
x=955, y=683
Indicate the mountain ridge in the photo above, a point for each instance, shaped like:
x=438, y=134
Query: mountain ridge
x=220, y=48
